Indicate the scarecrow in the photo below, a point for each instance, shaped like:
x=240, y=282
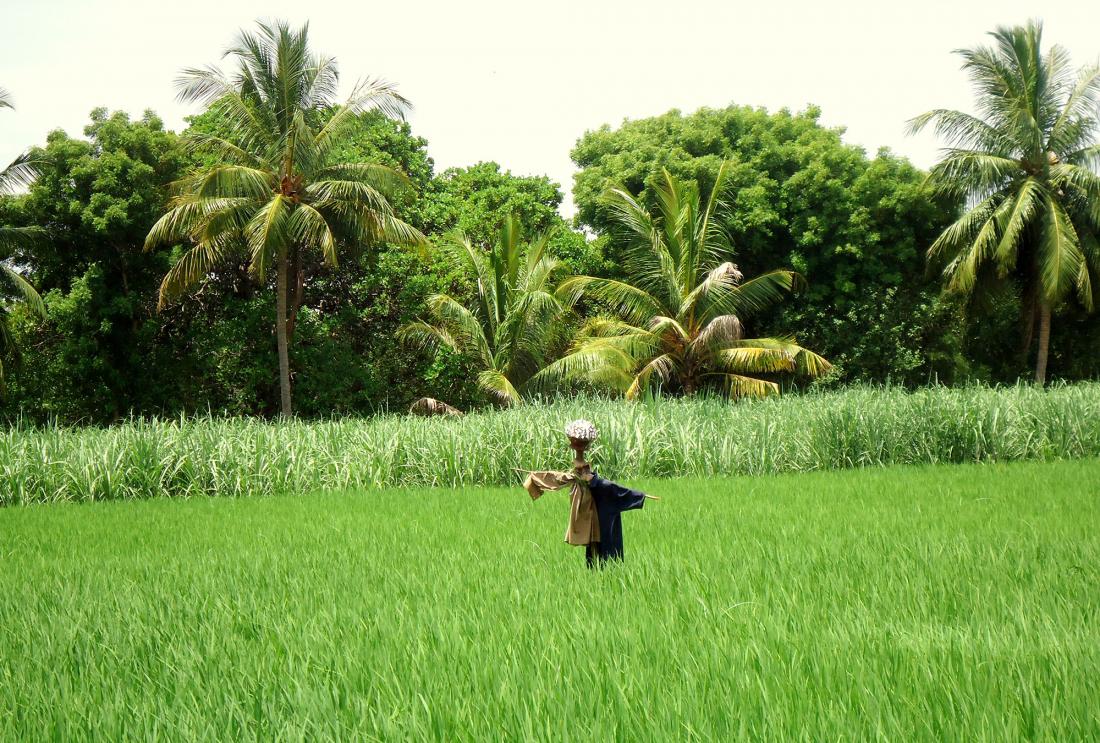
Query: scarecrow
x=595, y=511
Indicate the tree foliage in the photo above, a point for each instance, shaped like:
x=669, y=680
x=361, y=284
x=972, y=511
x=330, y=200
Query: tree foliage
x=274, y=189
x=797, y=199
x=1026, y=166
x=855, y=228
x=515, y=322
x=678, y=313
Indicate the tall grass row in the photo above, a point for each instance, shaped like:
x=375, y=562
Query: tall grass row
x=857, y=427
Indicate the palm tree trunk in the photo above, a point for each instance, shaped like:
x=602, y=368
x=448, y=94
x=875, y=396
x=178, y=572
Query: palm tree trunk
x=1044, y=343
x=280, y=336
x=296, y=280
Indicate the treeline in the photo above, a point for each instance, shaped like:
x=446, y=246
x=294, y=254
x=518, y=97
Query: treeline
x=856, y=228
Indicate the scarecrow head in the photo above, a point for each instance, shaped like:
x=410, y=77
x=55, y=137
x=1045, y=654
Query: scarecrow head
x=581, y=434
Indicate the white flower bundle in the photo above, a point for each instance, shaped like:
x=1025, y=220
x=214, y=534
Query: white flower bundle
x=582, y=430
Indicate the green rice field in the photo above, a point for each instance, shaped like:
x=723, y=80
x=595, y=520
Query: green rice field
x=929, y=603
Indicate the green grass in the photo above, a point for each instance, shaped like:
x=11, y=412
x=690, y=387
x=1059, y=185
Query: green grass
x=927, y=603
x=662, y=438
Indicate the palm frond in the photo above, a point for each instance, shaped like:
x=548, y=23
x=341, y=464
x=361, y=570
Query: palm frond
x=662, y=367
x=750, y=297
x=498, y=387
x=738, y=385
x=267, y=233
x=804, y=361
x=595, y=361
x=422, y=334
x=219, y=147
x=755, y=360
x=384, y=180
x=463, y=326
x=961, y=232
x=230, y=181
x=1082, y=103
x=309, y=228
x=633, y=304
x=719, y=282
x=20, y=238
x=20, y=172
x=721, y=330
x=1060, y=253
x=962, y=172
x=192, y=266
x=1025, y=205
x=12, y=282
x=368, y=95
x=959, y=129
x=352, y=193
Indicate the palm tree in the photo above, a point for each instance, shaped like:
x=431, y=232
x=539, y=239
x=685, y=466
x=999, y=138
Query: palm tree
x=1025, y=166
x=678, y=317
x=13, y=287
x=512, y=328
x=275, y=191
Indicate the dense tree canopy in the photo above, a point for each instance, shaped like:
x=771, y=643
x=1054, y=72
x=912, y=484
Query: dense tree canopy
x=94, y=357
x=856, y=228
x=105, y=352
x=678, y=314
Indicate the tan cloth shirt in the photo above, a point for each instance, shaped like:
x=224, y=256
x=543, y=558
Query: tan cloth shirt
x=584, y=524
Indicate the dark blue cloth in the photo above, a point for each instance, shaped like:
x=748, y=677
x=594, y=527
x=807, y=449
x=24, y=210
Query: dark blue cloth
x=611, y=500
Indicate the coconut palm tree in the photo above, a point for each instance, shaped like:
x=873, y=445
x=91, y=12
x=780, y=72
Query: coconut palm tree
x=516, y=317
x=275, y=191
x=678, y=318
x=13, y=287
x=1025, y=163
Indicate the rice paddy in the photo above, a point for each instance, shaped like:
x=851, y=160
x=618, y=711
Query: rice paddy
x=903, y=603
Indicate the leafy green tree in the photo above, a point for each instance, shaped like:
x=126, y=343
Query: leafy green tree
x=855, y=227
x=679, y=314
x=275, y=191
x=478, y=199
x=102, y=351
x=1025, y=164
x=512, y=328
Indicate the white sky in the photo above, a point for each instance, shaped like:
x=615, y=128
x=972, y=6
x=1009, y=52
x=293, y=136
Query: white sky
x=518, y=82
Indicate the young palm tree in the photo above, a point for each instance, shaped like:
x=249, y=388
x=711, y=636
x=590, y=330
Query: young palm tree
x=13, y=287
x=1025, y=163
x=275, y=191
x=512, y=328
x=679, y=315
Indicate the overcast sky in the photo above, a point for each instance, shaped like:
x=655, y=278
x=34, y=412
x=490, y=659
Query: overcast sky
x=519, y=82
